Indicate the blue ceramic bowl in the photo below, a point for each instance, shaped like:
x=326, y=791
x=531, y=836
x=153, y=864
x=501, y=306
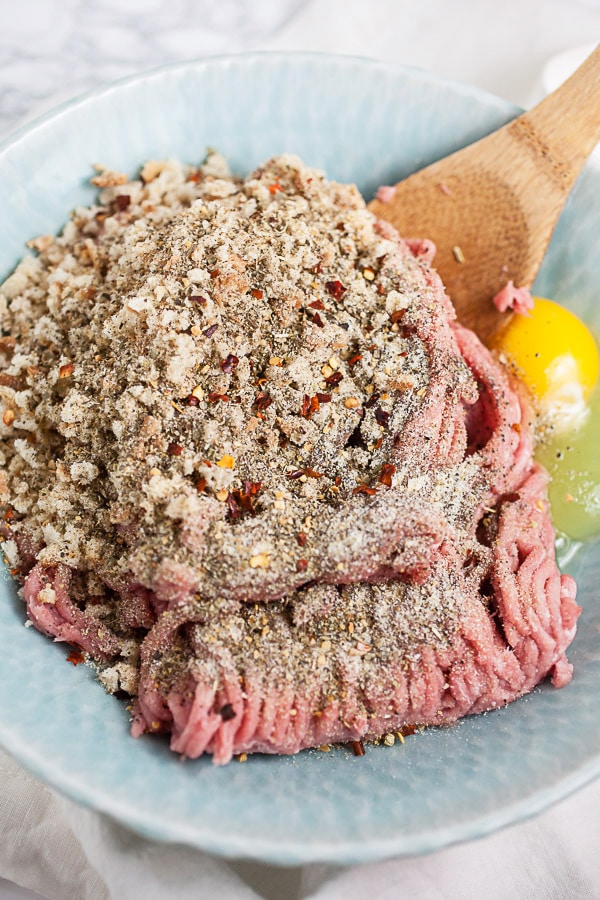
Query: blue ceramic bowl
x=372, y=124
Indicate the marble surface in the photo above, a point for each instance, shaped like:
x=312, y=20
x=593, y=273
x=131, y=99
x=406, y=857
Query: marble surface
x=54, y=49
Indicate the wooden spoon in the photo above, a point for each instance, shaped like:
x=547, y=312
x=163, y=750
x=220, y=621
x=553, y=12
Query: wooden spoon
x=491, y=208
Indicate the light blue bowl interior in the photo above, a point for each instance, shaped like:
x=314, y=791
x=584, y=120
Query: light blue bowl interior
x=372, y=124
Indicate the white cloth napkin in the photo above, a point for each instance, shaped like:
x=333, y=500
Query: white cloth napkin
x=51, y=49
x=68, y=853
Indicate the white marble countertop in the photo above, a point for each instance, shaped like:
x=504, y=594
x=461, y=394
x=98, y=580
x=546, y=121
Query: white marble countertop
x=53, y=49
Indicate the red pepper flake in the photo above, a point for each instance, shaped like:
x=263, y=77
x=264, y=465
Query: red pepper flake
x=317, y=304
x=378, y=444
x=174, y=449
x=75, y=657
x=192, y=400
x=372, y=400
x=364, y=489
x=334, y=379
x=229, y=363
x=201, y=484
x=336, y=289
x=354, y=359
x=195, y=177
x=407, y=730
x=302, y=538
x=9, y=514
x=215, y=273
x=337, y=480
x=323, y=398
x=385, y=476
x=307, y=472
x=381, y=290
x=358, y=748
x=233, y=509
x=397, y=315
x=122, y=201
x=275, y=188
x=302, y=565
x=208, y=332
x=382, y=417
x=257, y=293
x=310, y=405
x=262, y=401
x=317, y=320
x=197, y=298
x=243, y=500
x=214, y=397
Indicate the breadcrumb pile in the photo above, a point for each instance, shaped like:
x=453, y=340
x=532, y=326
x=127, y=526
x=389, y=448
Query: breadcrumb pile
x=203, y=380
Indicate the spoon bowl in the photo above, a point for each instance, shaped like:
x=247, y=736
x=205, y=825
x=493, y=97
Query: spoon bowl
x=491, y=208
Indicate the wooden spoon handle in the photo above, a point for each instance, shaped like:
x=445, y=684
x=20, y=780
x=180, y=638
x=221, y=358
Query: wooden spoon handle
x=564, y=128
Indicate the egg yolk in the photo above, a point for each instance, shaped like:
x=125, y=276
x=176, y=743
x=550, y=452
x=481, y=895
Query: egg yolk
x=556, y=356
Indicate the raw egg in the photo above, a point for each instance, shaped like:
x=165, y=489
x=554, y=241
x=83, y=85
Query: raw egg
x=555, y=355
x=573, y=461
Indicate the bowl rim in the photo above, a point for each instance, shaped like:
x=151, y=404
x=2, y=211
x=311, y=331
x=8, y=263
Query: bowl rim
x=288, y=852
x=24, y=128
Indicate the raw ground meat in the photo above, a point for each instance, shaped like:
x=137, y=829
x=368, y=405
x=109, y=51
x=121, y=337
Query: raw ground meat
x=254, y=468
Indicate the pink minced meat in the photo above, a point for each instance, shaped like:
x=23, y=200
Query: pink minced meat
x=519, y=300
x=342, y=663
x=52, y=611
x=386, y=193
x=227, y=702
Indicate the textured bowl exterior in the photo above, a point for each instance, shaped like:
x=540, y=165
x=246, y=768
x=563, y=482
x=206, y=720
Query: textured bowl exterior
x=369, y=123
